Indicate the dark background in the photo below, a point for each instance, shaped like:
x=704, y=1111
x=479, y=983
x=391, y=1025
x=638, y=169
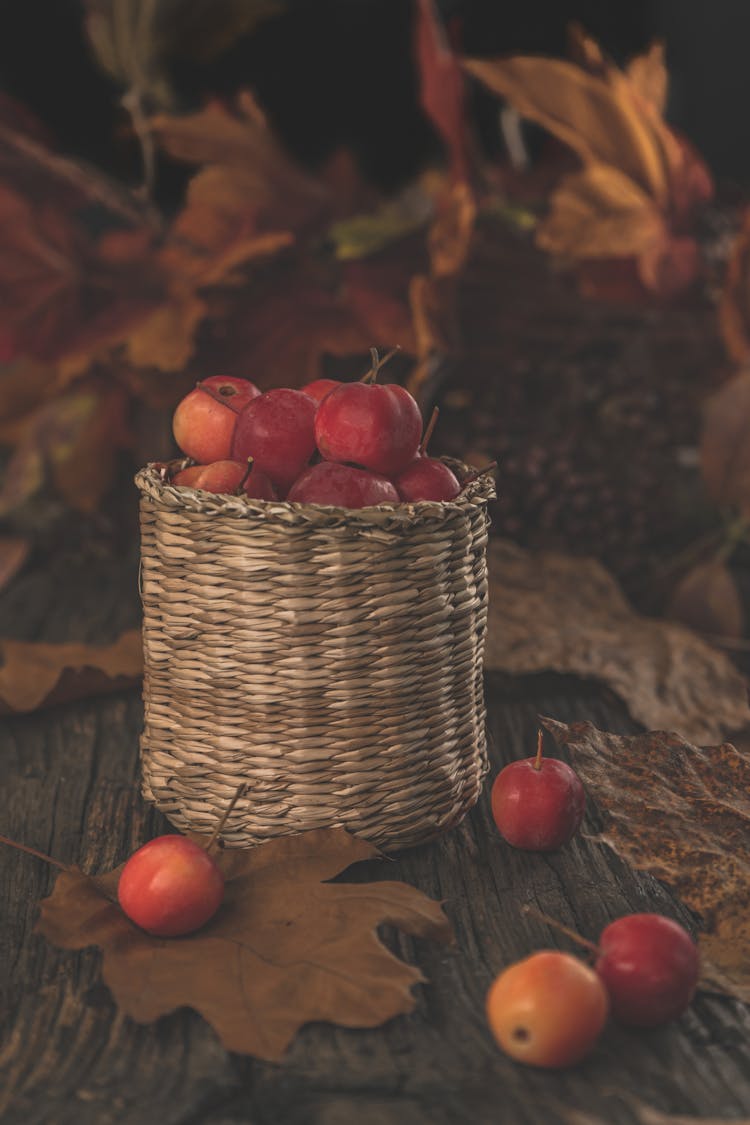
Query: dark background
x=334, y=72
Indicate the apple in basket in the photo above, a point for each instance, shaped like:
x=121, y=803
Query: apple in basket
x=348, y=445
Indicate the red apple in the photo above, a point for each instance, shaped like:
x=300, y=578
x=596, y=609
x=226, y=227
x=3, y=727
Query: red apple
x=426, y=478
x=276, y=430
x=377, y=426
x=170, y=887
x=319, y=388
x=204, y=421
x=650, y=966
x=537, y=803
x=341, y=486
x=219, y=476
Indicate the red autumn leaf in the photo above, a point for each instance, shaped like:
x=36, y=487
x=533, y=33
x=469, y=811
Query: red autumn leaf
x=285, y=948
x=442, y=87
x=34, y=674
x=682, y=813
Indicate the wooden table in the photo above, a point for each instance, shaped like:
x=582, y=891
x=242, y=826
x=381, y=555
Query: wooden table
x=67, y=1058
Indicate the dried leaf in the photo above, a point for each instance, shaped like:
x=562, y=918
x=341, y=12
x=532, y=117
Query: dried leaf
x=596, y=118
x=74, y=441
x=647, y=1115
x=648, y=75
x=442, y=89
x=13, y=554
x=36, y=675
x=280, y=192
x=640, y=185
x=707, y=599
x=725, y=445
x=682, y=813
x=734, y=309
x=285, y=948
x=553, y=613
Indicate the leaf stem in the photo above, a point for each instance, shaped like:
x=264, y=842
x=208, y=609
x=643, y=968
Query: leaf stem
x=430, y=429
x=34, y=852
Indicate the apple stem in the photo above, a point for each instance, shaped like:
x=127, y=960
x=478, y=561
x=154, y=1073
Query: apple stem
x=248, y=470
x=480, y=473
x=539, y=749
x=533, y=912
x=34, y=852
x=225, y=400
x=371, y=375
x=429, y=431
x=227, y=813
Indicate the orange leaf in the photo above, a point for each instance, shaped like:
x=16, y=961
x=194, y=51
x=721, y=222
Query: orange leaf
x=649, y=77
x=165, y=339
x=36, y=675
x=598, y=119
x=285, y=948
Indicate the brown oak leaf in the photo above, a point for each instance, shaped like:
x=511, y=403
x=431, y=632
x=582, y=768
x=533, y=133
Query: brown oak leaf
x=640, y=185
x=34, y=674
x=725, y=445
x=581, y=624
x=285, y=948
x=682, y=813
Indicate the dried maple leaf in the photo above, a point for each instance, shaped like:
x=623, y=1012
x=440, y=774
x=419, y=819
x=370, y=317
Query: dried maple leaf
x=725, y=445
x=640, y=184
x=682, y=813
x=36, y=675
x=286, y=948
x=583, y=625
x=707, y=599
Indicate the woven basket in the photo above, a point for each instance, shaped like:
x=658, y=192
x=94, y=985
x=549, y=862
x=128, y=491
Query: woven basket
x=329, y=659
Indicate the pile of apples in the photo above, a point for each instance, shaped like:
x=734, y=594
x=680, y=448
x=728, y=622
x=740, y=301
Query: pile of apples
x=350, y=445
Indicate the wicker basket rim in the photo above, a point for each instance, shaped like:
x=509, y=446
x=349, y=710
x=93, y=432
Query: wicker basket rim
x=152, y=482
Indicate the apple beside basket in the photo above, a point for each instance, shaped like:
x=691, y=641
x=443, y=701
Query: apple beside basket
x=328, y=659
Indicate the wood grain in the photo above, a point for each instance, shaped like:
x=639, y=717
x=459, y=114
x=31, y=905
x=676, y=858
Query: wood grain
x=67, y=1058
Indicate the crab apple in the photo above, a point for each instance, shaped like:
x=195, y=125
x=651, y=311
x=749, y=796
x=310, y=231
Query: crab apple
x=547, y=1010
x=276, y=430
x=650, y=967
x=204, y=421
x=319, y=388
x=341, y=486
x=170, y=887
x=537, y=803
x=375, y=425
x=426, y=478
x=219, y=476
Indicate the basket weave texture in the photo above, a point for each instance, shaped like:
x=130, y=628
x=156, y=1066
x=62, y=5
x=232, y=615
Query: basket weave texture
x=329, y=659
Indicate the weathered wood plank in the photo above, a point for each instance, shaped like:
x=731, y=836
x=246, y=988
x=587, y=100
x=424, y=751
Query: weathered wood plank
x=70, y=788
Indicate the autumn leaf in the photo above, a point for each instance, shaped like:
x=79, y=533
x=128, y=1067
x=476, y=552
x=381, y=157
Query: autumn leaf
x=73, y=442
x=442, y=87
x=286, y=947
x=725, y=445
x=13, y=554
x=707, y=599
x=683, y=814
x=582, y=625
x=734, y=308
x=34, y=674
x=647, y=1115
x=640, y=184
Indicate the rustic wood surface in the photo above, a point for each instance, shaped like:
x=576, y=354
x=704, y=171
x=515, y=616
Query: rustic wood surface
x=67, y=1058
